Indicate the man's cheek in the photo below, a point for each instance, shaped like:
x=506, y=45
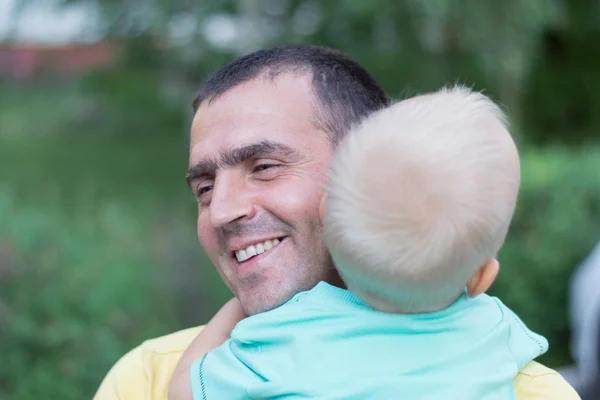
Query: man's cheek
x=301, y=199
x=206, y=237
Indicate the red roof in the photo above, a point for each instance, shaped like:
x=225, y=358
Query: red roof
x=20, y=61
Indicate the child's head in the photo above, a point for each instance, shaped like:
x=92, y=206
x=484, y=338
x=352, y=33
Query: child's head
x=420, y=197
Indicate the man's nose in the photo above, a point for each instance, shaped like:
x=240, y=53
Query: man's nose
x=231, y=200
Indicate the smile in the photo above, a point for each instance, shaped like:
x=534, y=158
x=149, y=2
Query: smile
x=256, y=249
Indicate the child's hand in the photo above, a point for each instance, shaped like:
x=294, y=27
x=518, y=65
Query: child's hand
x=214, y=334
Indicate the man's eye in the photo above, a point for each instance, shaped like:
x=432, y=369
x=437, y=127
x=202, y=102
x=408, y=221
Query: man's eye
x=263, y=167
x=203, y=190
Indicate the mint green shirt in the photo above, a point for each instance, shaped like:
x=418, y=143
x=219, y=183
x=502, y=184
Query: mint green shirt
x=327, y=343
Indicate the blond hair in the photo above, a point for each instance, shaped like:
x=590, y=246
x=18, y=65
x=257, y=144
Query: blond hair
x=420, y=196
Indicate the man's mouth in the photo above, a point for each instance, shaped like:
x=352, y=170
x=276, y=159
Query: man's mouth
x=256, y=249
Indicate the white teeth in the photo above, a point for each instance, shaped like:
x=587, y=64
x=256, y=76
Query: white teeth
x=253, y=250
x=241, y=255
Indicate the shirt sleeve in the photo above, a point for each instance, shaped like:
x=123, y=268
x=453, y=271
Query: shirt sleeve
x=546, y=385
x=145, y=371
x=126, y=379
x=220, y=374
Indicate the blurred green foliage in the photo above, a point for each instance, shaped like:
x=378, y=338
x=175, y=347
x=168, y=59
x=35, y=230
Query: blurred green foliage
x=555, y=226
x=98, y=248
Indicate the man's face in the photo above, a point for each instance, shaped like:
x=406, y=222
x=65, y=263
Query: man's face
x=257, y=165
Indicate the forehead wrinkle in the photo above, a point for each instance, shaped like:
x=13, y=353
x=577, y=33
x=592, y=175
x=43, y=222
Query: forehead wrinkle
x=319, y=114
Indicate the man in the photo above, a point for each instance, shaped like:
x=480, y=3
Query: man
x=585, y=327
x=261, y=144
x=591, y=390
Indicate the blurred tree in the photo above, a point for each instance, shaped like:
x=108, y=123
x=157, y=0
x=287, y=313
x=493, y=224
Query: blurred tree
x=408, y=46
x=563, y=92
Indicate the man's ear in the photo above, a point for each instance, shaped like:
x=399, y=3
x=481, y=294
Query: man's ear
x=322, y=208
x=483, y=279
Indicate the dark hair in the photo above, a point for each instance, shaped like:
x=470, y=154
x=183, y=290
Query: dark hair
x=345, y=91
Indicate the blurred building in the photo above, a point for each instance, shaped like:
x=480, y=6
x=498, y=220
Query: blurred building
x=24, y=61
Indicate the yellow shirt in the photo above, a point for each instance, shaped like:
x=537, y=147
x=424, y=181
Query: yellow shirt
x=144, y=373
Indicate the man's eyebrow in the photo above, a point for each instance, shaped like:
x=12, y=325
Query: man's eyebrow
x=264, y=148
x=231, y=157
x=202, y=169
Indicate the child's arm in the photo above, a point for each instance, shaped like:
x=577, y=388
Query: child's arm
x=214, y=334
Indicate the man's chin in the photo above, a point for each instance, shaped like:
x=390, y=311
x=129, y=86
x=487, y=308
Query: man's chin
x=257, y=306
x=261, y=300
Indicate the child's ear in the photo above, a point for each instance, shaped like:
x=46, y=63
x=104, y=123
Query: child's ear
x=322, y=208
x=483, y=279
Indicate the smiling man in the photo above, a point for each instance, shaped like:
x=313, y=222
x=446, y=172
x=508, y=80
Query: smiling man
x=257, y=174
x=262, y=140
